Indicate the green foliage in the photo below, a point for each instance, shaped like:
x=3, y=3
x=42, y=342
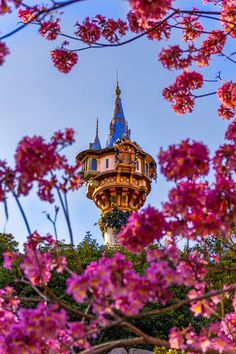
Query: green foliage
x=7, y=243
x=114, y=219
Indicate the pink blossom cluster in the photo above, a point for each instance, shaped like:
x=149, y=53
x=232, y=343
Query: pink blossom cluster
x=231, y=132
x=43, y=163
x=37, y=265
x=50, y=29
x=196, y=209
x=192, y=28
x=142, y=229
x=4, y=51
x=180, y=93
x=156, y=20
x=186, y=160
x=172, y=58
x=153, y=10
x=213, y=45
x=29, y=330
x=219, y=337
x=91, y=30
x=43, y=329
x=116, y=286
x=64, y=60
x=155, y=30
x=227, y=97
x=228, y=17
x=28, y=14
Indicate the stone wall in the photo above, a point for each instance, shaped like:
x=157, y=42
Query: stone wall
x=129, y=351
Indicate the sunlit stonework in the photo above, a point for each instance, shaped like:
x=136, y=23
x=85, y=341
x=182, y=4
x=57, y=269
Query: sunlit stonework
x=120, y=174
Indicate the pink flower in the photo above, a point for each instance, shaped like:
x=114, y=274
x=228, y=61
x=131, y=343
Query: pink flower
x=50, y=29
x=171, y=58
x=142, y=229
x=176, y=339
x=186, y=160
x=228, y=17
x=150, y=9
x=29, y=14
x=203, y=307
x=231, y=132
x=225, y=160
x=227, y=96
x=180, y=93
x=214, y=44
x=37, y=265
x=4, y=51
x=34, y=158
x=192, y=28
x=228, y=325
x=9, y=259
x=89, y=31
x=64, y=60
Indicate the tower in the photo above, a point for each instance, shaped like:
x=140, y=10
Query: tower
x=118, y=177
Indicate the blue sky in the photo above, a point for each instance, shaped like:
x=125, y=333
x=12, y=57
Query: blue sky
x=37, y=99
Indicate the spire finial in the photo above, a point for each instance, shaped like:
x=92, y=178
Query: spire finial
x=117, y=90
x=96, y=144
x=97, y=127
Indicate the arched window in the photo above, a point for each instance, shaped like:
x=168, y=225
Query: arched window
x=146, y=167
x=107, y=163
x=137, y=165
x=94, y=165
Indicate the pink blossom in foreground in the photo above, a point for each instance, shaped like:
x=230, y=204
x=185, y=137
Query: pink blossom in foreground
x=142, y=229
x=9, y=259
x=186, y=160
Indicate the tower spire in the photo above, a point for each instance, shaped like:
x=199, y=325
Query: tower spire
x=118, y=123
x=96, y=145
x=97, y=128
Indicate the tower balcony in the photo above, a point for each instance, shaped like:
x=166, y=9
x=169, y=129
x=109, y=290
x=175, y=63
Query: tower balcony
x=120, y=175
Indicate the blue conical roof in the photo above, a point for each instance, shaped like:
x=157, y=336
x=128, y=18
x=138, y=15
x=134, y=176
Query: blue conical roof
x=118, y=125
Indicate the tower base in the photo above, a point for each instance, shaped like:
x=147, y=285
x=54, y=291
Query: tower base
x=110, y=237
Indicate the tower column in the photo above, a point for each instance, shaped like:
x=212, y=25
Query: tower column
x=110, y=237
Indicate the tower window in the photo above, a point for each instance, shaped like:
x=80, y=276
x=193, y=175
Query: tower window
x=94, y=165
x=146, y=167
x=107, y=163
x=137, y=165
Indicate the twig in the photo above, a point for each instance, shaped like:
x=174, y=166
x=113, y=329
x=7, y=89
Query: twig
x=22, y=212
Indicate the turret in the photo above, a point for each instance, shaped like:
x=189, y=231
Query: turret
x=119, y=176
